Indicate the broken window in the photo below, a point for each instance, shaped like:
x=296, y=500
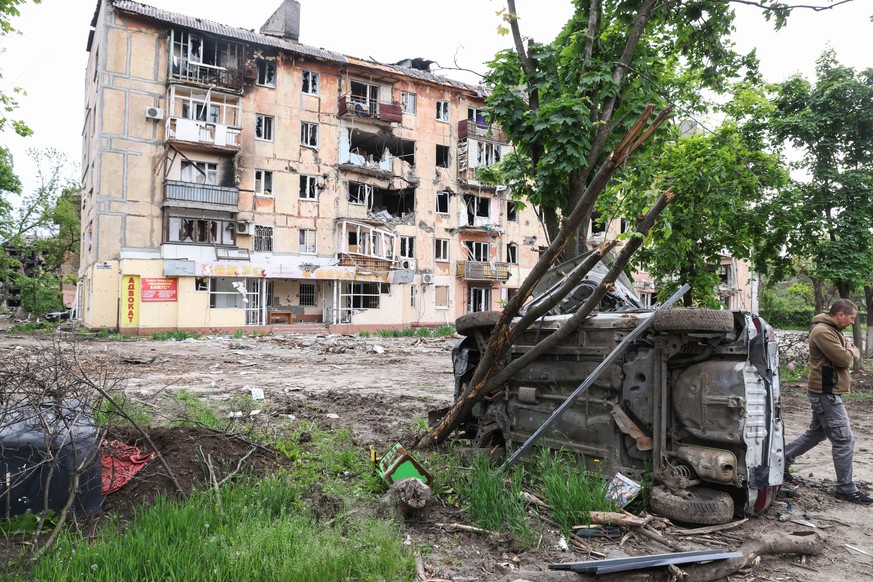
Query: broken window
x=407, y=102
x=206, y=227
x=478, y=299
x=512, y=211
x=263, y=238
x=226, y=293
x=407, y=247
x=442, y=156
x=309, y=187
x=598, y=223
x=442, y=202
x=478, y=251
x=441, y=297
x=477, y=115
x=200, y=172
x=365, y=98
x=205, y=60
x=478, y=210
x=309, y=134
x=310, y=82
x=413, y=296
x=512, y=254
x=201, y=284
x=377, y=150
x=442, y=110
x=487, y=154
x=264, y=127
x=362, y=295
x=263, y=183
x=308, y=295
x=360, y=193
x=266, y=73
x=307, y=241
x=441, y=250
x=396, y=203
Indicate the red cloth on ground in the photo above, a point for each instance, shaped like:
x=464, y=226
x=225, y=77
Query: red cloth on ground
x=120, y=463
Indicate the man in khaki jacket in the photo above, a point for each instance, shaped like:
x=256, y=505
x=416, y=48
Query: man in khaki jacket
x=830, y=360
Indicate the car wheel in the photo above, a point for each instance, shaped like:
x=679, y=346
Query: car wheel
x=484, y=321
x=693, y=320
x=693, y=505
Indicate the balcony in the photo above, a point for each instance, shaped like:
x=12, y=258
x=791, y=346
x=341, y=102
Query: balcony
x=467, y=128
x=203, y=132
x=193, y=195
x=369, y=108
x=482, y=271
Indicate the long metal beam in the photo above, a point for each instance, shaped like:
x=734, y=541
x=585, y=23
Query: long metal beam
x=608, y=361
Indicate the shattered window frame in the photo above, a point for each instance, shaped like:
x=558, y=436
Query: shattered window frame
x=360, y=194
x=408, y=102
x=308, y=295
x=266, y=73
x=363, y=295
x=478, y=251
x=512, y=211
x=407, y=247
x=308, y=241
x=443, y=156
x=443, y=209
x=442, y=110
x=512, y=253
x=308, y=188
x=263, y=240
x=196, y=172
x=413, y=296
x=441, y=250
x=264, y=127
x=223, y=295
x=309, y=134
x=310, y=81
x=263, y=183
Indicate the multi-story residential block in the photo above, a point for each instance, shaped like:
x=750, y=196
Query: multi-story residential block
x=234, y=178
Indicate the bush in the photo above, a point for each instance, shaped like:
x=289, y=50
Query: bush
x=788, y=316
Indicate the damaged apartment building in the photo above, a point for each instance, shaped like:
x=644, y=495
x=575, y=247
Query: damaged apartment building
x=236, y=178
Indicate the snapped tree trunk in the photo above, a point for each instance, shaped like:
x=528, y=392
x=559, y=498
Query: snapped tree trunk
x=500, y=340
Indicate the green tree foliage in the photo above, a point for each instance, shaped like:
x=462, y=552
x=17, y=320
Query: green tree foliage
x=718, y=177
x=8, y=99
x=826, y=217
x=565, y=104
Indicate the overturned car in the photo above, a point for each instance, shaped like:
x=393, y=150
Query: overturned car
x=694, y=399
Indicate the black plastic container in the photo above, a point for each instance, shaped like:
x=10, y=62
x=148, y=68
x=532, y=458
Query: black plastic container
x=39, y=451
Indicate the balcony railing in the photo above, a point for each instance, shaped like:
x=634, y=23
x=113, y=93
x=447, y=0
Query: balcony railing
x=202, y=194
x=360, y=107
x=468, y=128
x=482, y=271
x=213, y=134
x=207, y=74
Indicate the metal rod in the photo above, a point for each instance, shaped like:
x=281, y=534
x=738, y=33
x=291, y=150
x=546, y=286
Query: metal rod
x=608, y=361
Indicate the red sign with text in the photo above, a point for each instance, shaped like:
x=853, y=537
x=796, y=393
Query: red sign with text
x=158, y=289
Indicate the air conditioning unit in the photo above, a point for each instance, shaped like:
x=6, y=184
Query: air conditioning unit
x=407, y=264
x=427, y=278
x=154, y=113
x=244, y=228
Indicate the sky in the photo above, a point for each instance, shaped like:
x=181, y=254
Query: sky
x=48, y=59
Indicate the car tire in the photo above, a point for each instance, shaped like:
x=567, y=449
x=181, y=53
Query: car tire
x=698, y=505
x=482, y=320
x=682, y=319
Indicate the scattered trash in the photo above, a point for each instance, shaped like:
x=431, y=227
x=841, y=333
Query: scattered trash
x=805, y=523
x=641, y=562
x=235, y=414
x=562, y=544
x=378, y=349
x=858, y=550
x=786, y=513
x=255, y=412
x=120, y=462
x=399, y=464
x=593, y=531
x=257, y=393
x=622, y=490
x=332, y=415
x=408, y=540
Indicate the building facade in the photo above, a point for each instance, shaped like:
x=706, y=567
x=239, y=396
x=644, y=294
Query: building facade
x=234, y=178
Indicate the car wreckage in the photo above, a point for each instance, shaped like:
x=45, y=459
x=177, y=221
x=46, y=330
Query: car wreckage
x=694, y=399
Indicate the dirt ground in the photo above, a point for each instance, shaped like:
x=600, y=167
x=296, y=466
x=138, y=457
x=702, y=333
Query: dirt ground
x=377, y=387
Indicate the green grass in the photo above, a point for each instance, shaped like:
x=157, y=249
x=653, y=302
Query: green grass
x=793, y=371
x=238, y=334
x=176, y=334
x=195, y=412
x=263, y=531
x=494, y=501
x=444, y=330
x=32, y=327
x=107, y=415
x=364, y=334
x=569, y=488
x=441, y=331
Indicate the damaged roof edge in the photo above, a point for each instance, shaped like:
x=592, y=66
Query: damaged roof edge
x=249, y=36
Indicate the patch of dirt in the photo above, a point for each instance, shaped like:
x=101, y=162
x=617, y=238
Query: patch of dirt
x=377, y=387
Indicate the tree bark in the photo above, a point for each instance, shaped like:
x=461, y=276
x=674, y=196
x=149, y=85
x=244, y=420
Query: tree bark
x=868, y=304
